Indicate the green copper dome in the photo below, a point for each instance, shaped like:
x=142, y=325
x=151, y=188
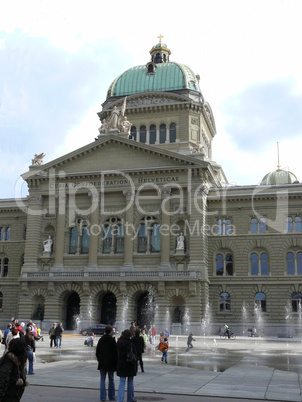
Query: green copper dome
x=279, y=176
x=158, y=75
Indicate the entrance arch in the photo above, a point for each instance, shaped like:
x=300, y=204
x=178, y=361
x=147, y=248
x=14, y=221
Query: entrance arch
x=145, y=310
x=178, y=309
x=72, y=310
x=108, y=309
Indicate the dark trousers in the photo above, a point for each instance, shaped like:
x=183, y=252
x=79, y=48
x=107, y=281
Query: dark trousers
x=53, y=340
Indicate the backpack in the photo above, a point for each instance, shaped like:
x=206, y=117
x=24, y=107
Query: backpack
x=131, y=356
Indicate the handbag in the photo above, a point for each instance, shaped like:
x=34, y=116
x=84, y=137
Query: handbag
x=131, y=356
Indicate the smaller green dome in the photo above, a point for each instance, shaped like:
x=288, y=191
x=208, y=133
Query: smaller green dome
x=279, y=176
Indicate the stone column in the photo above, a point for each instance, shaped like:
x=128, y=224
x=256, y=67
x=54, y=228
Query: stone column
x=165, y=231
x=33, y=242
x=129, y=232
x=148, y=136
x=157, y=136
x=60, y=232
x=94, y=232
x=167, y=135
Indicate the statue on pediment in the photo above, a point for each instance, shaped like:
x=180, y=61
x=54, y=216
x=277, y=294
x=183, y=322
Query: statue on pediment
x=38, y=159
x=117, y=121
x=126, y=125
x=104, y=127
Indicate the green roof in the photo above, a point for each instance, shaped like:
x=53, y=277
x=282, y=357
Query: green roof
x=279, y=176
x=166, y=77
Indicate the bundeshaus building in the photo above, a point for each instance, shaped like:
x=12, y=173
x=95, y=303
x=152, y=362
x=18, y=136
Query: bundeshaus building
x=141, y=223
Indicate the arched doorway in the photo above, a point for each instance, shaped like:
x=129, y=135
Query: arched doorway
x=38, y=308
x=178, y=310
x=108, y=309
x=145, y=310
x=72, y=311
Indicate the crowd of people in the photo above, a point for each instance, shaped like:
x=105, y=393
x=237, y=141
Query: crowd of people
x=123, y=356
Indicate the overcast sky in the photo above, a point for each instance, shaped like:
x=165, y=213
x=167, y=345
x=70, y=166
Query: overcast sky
x=58, y=58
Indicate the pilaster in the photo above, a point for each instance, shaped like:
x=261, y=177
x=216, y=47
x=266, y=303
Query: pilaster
x=129, y=232
x=165, y=230
x=33, y=243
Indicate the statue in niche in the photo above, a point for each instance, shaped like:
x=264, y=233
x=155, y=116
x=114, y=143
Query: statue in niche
x=48, y=245
x=180, y=242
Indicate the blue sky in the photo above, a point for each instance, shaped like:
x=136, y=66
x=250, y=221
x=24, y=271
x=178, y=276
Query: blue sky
x=58, y=58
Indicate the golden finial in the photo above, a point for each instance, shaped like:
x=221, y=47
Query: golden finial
x=160, y=36
x=278, y=166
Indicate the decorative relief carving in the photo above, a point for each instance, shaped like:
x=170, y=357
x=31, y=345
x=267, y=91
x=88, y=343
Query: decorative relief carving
x=35, y=200
x=150, y=100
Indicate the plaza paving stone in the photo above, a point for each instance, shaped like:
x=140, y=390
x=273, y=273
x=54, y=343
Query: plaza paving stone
x=243, y=368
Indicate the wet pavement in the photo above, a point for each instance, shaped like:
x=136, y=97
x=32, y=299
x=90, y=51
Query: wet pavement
x=257, y=368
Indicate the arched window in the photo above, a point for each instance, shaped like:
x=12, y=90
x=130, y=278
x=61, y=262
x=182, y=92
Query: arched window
x=293, y=225
x=260, y=302
x=113, y=236
x=1, y=300
x=258, y=225
x=162, y=133
x=2, y=233
x=4, y=266
x=172, y=132
x=155, y=238
x=142, y=238
x=119, y=239
x=225, y=302
x=152, y=134
x=224, y=227
x=142, y=134
x=298, y=224
x=73, y=240
x=107, y=239
x=289, y=224
x=294, y=263
x=224, y=264
x=133, y=132
x=7, y=237
x=259, y=264
x=296, y=302
x=85, y=240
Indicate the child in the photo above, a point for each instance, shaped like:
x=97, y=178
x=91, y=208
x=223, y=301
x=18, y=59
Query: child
x=163, y=347
x=189, y=342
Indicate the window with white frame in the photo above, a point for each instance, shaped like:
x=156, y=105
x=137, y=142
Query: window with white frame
x=259, y=264
x=258, y=225
x=293, y=225
x=294, y=263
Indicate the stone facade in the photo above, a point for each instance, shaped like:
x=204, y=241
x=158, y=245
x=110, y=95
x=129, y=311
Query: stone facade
x=114, y=209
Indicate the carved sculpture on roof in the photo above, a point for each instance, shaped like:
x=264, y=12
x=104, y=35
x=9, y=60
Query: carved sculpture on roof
x=117, y=121
x=38, y=159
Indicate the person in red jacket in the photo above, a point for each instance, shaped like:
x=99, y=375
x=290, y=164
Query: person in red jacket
x=153, y=334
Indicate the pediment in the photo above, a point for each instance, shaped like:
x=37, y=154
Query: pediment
x=114, y=153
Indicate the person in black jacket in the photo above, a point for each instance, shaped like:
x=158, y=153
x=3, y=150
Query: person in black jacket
x=139, y=344
x=30, y=346
x=106, y=354
x=125, y=369
x=12, y=374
